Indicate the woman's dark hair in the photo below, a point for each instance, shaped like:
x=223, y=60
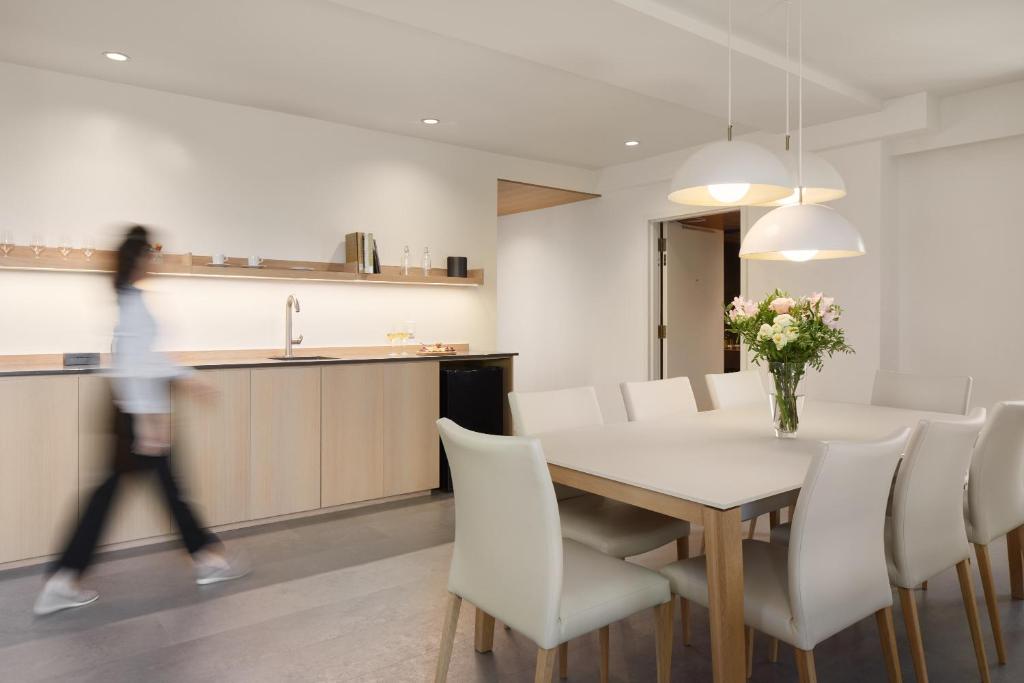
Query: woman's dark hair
x=134, y=247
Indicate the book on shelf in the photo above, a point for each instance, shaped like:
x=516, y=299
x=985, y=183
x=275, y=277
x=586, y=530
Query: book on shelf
x=376, y=258
x=361, y=252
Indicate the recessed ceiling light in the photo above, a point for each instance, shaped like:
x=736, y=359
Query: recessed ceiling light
x=632, y=143
x=430, y=122
x=116, y=56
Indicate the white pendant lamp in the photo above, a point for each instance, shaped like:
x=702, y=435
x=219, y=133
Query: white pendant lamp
x=801, y=231
x=821, y=181
x=730, y=172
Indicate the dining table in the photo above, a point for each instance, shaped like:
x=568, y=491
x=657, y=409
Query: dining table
x=716, y=468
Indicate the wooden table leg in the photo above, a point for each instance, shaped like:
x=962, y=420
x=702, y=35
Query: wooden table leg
x=725, y=594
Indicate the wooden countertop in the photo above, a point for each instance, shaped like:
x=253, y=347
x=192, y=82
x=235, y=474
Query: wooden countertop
x=52, y=364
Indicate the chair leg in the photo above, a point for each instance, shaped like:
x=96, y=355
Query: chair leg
x=805, y=665
x=545, y=665
x=750, y=651
x=774, y=519
x=753, y=528
x=989, y=587
x=1015, y=554
x=682, y=553
x=563, y=661
x=909, y=606
x=887, y=634
x=790, y=511
x=963, y=573
x=451, y=621
x=483, y=638
x=663, y=640
x=773, y=651
x=602, y=638
x=924, y=585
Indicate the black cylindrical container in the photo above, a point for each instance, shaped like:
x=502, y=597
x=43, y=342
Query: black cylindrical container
x=457, y=266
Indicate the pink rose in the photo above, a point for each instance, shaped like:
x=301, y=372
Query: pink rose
x=830, y=319
x=742, y=307
x=826, y=302
x=782, y=304
x=814, y=298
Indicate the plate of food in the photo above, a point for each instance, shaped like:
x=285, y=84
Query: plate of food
x=436, y=350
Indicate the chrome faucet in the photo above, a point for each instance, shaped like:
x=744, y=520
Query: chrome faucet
x=288, y=341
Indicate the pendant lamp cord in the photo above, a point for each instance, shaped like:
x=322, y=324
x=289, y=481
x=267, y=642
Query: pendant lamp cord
x=729, y=47
x=800, y=98
x=789, y=4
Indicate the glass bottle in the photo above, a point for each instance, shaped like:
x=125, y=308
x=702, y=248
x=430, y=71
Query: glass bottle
x=426, y=260
x=405, y=260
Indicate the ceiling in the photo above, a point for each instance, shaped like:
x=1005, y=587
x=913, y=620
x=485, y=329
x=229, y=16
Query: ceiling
x=567, y=81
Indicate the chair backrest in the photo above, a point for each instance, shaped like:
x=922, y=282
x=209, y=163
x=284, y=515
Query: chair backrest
x=507, y=558
x=995, y=490
x=537, y=412
x=837, y=567
x=732, y=389
x=922, y=392
x=928, y=531
x=658, y=398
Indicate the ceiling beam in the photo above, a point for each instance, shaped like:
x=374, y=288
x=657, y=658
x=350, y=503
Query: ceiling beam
x=715, y=34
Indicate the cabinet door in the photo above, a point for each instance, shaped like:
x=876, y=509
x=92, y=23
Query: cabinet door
x=352, y=447
x=38, y=464
x=411, y=405
x=139, y=510
x=285, y=441
x=211, y=450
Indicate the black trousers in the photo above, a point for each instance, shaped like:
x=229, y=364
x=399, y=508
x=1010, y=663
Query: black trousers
x=80, y=548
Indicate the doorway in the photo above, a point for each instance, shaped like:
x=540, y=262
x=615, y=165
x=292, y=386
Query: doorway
x=697, y=273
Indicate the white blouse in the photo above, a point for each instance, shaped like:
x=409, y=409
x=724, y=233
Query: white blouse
x=141, y=376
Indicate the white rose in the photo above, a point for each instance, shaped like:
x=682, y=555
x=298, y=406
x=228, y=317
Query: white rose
x=791, y=333
x=765, y=332
x=780, y=340
x=784, y=320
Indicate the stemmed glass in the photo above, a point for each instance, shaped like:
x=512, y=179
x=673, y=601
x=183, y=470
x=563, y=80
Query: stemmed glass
x=393, y=336
x=88, y=249
x=65, y=246
x=38, y=245
x=6, y=242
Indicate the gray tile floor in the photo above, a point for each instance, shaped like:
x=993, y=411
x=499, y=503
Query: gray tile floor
x=358, y=596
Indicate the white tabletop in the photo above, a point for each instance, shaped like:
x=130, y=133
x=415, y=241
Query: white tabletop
x=722, y=458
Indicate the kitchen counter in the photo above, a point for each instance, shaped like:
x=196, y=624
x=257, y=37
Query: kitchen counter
x=52, y=364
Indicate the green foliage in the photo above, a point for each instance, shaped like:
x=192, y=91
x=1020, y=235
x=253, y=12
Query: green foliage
x=780, y=329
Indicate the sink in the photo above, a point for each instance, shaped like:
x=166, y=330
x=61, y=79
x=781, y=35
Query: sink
x=293, y=358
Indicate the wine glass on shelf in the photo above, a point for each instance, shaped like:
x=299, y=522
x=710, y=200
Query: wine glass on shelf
x=38, y=244
x=64, y=246
x=88, y=249
x=6, y=242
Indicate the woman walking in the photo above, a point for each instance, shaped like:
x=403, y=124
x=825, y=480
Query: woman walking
x=141, y=382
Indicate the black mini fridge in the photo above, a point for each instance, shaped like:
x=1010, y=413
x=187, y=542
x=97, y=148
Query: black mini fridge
x=471, y=397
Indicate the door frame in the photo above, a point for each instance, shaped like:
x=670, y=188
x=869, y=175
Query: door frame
x=656, y=350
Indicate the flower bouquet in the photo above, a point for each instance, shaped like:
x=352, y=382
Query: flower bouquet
x=789, y=334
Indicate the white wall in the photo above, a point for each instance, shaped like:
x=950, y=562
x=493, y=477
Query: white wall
x=961, y=285
x=81, y=156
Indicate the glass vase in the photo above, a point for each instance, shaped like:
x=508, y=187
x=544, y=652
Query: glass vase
x=785, y=398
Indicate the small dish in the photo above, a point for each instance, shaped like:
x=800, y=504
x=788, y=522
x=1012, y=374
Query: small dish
x=218, y=265
x=302, y=268
x=248, y=266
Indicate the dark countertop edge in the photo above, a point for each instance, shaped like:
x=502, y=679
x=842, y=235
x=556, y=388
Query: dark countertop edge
x=259, y=363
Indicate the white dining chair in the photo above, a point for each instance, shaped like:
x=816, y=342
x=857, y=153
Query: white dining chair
x=658, y=398
x=995, y=504
x=733, y=389
x=511, y=562
x=922, y=392
x=925, y=534
x=833, y=573
x=608, y=526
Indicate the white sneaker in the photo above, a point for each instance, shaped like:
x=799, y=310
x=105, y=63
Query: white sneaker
x=227, y=570
x=58, y=595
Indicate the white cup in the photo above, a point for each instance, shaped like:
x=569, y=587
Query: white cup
x=255, y=261
x=217, y=259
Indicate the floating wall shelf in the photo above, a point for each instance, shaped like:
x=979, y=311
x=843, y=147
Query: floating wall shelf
x=193, y=265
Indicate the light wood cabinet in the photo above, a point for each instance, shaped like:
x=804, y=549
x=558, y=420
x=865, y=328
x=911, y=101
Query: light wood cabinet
x=211, y=452
x=38, y=464
x=352, y=438
x=139, y=510
x=411, y=446
x=284, y=441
